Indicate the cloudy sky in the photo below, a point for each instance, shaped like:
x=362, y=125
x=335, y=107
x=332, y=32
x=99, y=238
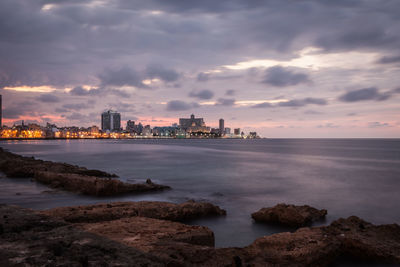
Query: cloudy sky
x=283, y=68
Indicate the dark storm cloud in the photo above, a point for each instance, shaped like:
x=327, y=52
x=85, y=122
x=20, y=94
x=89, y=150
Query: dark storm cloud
x=282, y=77
x=225, y=102
x=48, y=98
x=18, y=109
x=263, y=105
x=364, y=94
x=79, y=91
x=389, y=59
x=167, y=75
x=203, y=94
x=124, y=76
x=303, y=102
x=77, y=106
x=75, y=116
x=183, y=6
x=358, y=37
x=178, y=105
x=294, y=103
x=312, y=112
x=101, y=91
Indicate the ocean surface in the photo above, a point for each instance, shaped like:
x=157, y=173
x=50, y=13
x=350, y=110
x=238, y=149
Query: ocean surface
x=345, y=176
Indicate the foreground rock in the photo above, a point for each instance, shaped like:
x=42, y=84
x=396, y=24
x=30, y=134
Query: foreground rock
x=31, y=239
x=69, y=177
x=92, y=185
x=150, y=209
x=290, y=215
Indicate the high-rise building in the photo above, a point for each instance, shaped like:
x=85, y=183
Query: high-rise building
x=221, y=126
x=111, y=121
x=130, y=126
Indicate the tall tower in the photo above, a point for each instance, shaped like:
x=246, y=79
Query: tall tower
x=110, y=120
x=221, y=126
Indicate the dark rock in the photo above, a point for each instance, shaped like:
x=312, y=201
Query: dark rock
x=150, y=209
x=134, y=240
x=92, y=185
x=14, y=165
x=60, y=244
x=70, y=177
x=289, y=215
x=368, y=242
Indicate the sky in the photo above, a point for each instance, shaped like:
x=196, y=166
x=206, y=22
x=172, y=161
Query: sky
x=282, y=68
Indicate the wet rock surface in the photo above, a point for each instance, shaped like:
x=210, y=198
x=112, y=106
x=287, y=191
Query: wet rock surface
x=150, y=209
x=70, y=177
x=289, y=215
x=130, y=239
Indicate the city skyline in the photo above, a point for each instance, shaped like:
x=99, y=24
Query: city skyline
x=281, y=68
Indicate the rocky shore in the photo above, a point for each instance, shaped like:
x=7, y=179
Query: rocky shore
x=150, y=234
x=290, y=215
x=70, y=177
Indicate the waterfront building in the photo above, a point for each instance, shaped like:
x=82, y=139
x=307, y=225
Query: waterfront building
x=253, y=135
x=111, y=121
x=227, y=131
x=236, y=131
x=193, y=124
x=185, y=123
x=168, y=131
x=130, y=126
x=147, y=131
x=94, y=130
x=221, y=126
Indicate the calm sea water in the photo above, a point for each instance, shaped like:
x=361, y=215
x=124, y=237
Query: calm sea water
x=345, y=176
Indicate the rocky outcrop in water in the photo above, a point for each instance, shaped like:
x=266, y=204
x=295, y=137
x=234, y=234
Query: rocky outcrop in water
x=69, y=177
x=92, y=185
x=150, y=209
x=290, y=215
x=40, y=238
x=17, y=166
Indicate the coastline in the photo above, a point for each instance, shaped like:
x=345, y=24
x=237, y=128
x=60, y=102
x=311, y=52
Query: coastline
x=316, y=245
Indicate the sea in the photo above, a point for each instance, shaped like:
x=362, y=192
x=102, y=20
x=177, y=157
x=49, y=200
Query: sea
x=347, y=177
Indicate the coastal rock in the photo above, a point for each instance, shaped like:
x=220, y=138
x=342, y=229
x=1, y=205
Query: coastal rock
x=30, y=239
x=150, y=209
x=146, y=233
x=69, y=177
x=365, y=241
x=92, y=185
x=290, y=215
x=14, y=165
